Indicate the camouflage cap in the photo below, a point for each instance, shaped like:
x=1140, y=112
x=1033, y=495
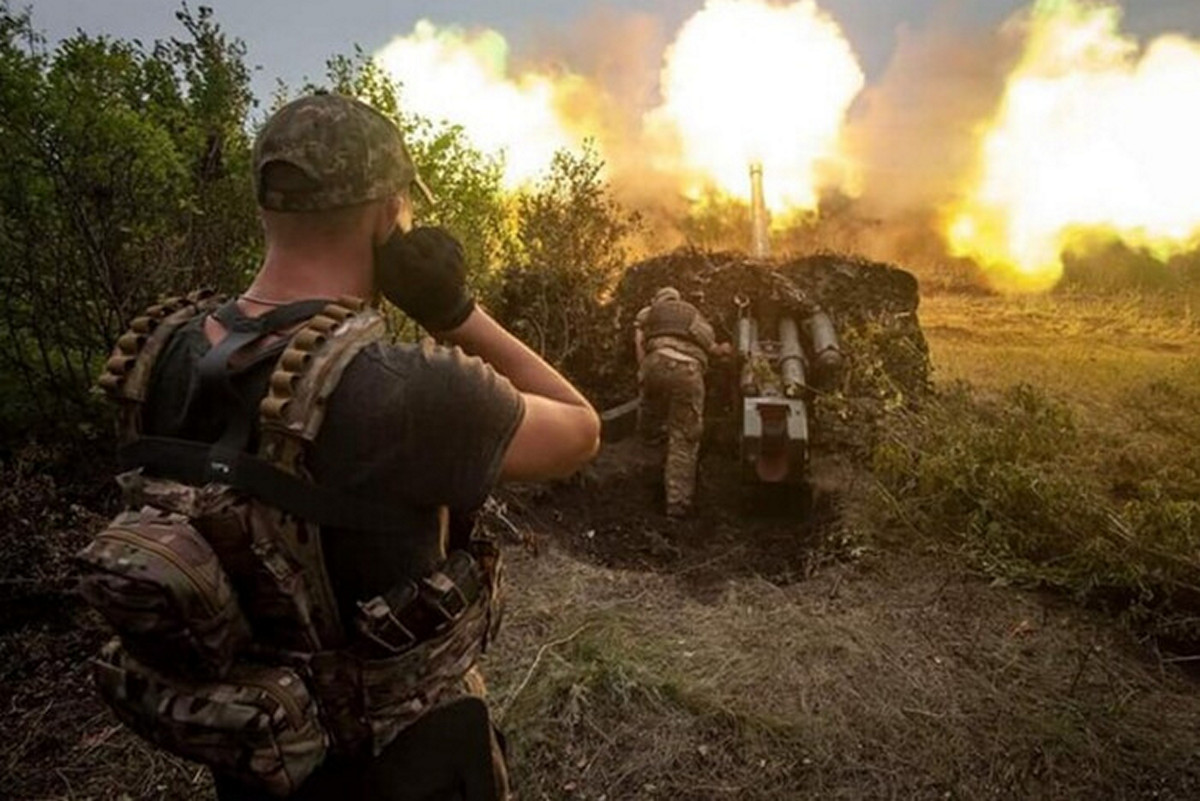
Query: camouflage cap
x=340, y=150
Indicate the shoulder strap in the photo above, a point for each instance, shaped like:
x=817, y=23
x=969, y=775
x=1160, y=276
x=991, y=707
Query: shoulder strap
x=126, y=376
x=290, y=417
x=217, y=370
x=306, y=374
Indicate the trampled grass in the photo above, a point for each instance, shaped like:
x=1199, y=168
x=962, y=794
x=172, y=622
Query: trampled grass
x=1057, y=452
x=884, y=678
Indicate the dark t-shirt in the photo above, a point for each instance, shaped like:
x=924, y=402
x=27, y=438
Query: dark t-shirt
x=418, y=425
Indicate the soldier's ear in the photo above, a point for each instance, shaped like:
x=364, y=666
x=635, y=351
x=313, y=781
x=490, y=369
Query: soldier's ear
x=388, y=216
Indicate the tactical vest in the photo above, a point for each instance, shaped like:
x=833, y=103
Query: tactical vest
x=680, y=320
x=230, y=649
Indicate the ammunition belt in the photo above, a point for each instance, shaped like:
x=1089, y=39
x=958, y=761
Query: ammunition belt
x=126, y=375
x=306, y=375
x=146, y=336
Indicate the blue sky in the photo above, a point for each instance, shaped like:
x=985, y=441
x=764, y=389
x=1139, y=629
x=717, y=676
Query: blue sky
x=290, y=39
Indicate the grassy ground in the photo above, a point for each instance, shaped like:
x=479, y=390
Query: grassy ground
x=888, y=678
x=914, y=668
x=641, y=659
x=1091, y=352
x=1070, y=458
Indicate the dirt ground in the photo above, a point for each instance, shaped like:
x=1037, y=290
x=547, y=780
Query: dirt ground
x=766, y=656
x=611, y=516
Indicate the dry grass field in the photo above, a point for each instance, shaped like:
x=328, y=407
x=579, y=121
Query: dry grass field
x=1092, y=352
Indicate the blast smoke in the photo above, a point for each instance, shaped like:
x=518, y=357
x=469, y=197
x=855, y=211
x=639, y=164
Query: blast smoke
x=888, y=179
x=1096, y=133
x=915, y=133
x=912, y=137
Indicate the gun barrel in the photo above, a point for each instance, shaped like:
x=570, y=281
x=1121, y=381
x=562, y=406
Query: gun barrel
x=758, y=213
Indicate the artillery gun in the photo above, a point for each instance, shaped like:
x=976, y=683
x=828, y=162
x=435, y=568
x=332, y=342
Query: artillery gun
x=798, y=324
x=776, y=380
x=774, y=406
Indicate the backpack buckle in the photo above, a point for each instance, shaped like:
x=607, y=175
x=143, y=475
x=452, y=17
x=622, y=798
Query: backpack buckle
x=444, y=596
x=378, y=623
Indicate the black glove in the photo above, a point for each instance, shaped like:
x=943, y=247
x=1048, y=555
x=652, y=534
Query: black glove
x=424, y=273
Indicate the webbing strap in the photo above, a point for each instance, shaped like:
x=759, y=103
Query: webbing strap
x=412, y=612
x=195, y=464
x=217, y=374
x=214, y=367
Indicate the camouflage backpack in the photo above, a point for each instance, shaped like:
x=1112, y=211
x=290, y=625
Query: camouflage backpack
x=230, y=649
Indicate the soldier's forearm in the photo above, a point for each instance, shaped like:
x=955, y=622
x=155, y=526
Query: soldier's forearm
x=482, y=336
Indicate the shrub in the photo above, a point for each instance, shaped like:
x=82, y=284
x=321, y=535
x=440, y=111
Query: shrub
x=1005, y=481
x=466, y=182
x=1106, y=264
x=124, y=180
x=567, y=253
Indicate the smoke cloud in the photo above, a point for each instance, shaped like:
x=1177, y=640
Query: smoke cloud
x=910, y=152
x=916, y=132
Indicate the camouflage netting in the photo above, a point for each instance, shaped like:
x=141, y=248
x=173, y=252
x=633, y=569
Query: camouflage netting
x=873, y=307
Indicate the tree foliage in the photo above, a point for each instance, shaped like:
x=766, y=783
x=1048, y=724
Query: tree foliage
x=125, y=178
x=543, y=257
x=466, y=182
x=566, y=255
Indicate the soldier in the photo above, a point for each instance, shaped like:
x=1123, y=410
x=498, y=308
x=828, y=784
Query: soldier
x=673, y=343
x=336, y=477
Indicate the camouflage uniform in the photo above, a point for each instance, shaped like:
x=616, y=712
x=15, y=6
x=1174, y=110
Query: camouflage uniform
x=671, y=377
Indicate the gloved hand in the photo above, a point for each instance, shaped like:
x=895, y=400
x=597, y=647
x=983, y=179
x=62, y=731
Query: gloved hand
x=424, y=273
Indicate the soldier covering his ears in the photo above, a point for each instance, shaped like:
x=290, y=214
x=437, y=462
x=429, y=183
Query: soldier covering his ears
x=315, y=487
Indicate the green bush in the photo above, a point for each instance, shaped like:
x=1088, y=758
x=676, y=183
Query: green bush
x=542, y=257
x=1009, y=481
x=466, y=182
x=566, y=255
x=125, y=179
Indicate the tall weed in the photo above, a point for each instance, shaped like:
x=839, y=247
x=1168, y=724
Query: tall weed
x=1010, y=481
